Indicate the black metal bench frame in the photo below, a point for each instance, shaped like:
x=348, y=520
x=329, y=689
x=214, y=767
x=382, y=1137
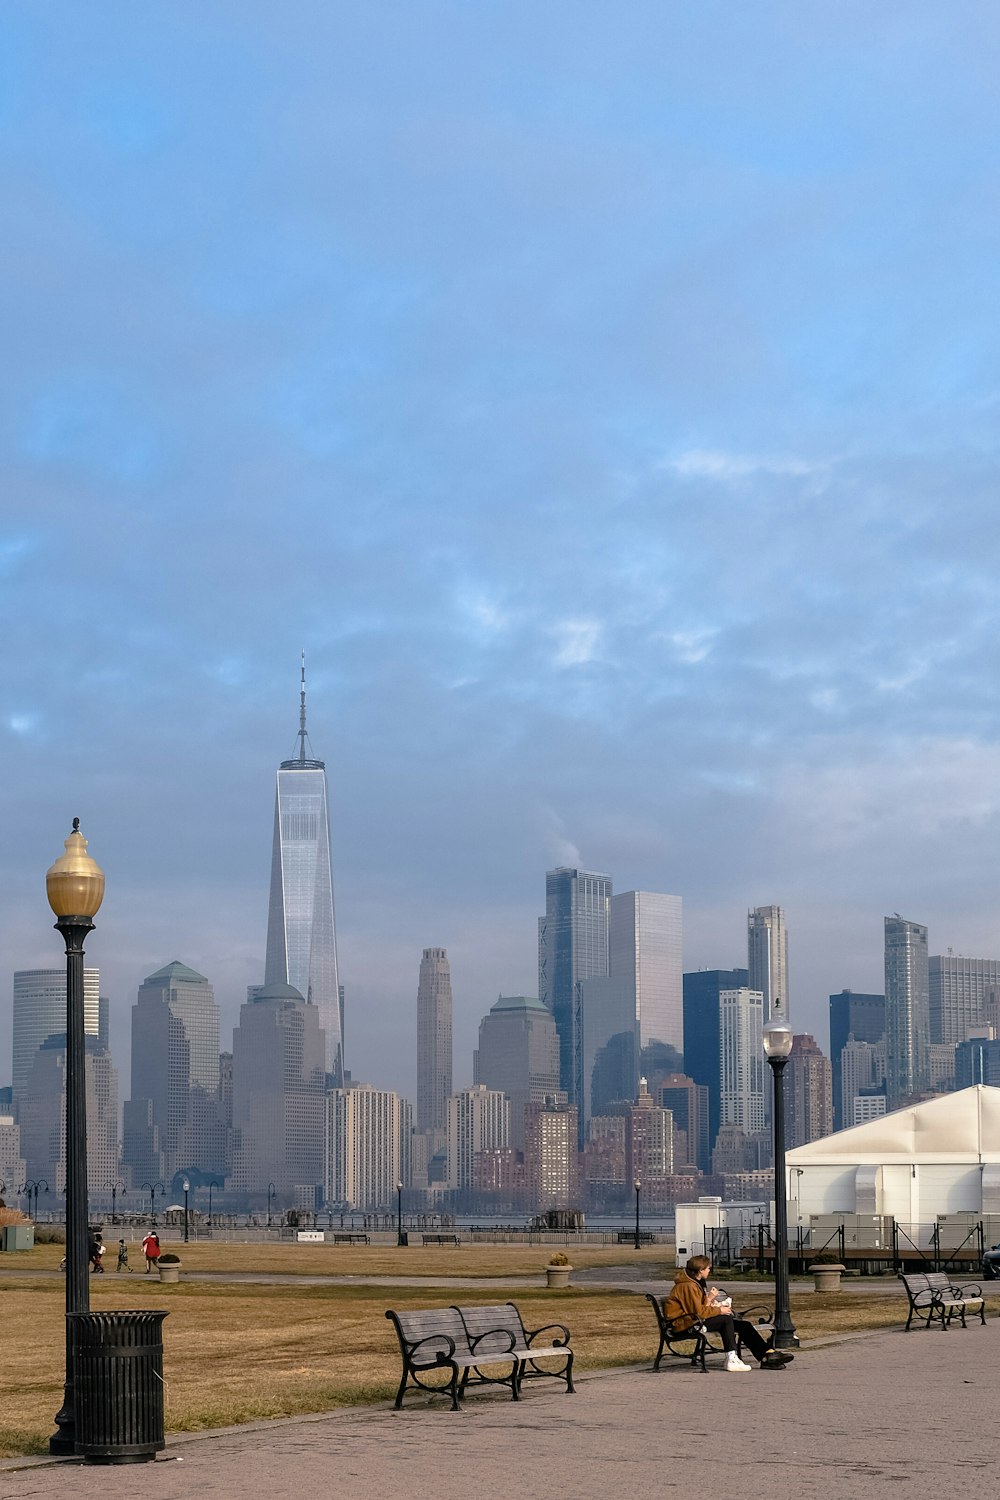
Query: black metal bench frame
x=694, y=1340
x=441, y=1339
x=937, y=1299
x=442, y=1239
x=346, y=1237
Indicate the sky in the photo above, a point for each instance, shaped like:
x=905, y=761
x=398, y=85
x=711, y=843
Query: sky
x=604, y=398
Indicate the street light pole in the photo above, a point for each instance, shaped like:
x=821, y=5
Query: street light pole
x=271, y=1193
x=212, y=1184
x=74, y=885
x=153, y=1188
x=116, y=1188
x=777, y=1046
x=399, y=1214
x=186, y=1185
x=638, y=1189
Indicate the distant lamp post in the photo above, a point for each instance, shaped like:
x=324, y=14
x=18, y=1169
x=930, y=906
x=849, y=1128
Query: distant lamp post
x=186, y=1185
x=75, y=889
x=399, y=1214
x=638, y=1189
x=272, y=1193
x=152, y=1188
x=116, y=1188
x=33, y=1189
x=212, y=1183
x=777, y=1046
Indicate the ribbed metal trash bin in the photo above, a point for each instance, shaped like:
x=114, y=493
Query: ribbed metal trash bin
x=118, y=1385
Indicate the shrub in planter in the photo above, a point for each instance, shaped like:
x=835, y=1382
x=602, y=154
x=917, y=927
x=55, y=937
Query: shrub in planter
x=558, y=1259
x=170, y=1260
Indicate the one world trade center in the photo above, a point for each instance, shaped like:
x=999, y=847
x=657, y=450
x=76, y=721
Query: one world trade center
x=301, y=934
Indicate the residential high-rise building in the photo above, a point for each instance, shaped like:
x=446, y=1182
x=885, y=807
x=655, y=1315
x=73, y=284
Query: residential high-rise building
x=367, y=1146
x=40, y=1012
x=572, y=945
x=703, y=1034
x=862, y=1074
x=518, y=1054
x=12, y=1167
x=43, y=1116
x=279, y=1095
x=808, y=1092
x=649, y=1142
x=741, y=1065
x=478, y=1120
x=175, y=1066
x=434, y=1054
x=907, y=1011
x=958, y=991
x=551, y=1155
x=863, y=1018
x=644, y=950
x=301, y=932
x=687, y=1102
x=767, y=955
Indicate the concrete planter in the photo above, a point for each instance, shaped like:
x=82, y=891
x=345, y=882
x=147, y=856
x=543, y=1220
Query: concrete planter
x=558, y=1275
x=827, y=1278
x=171, y=1272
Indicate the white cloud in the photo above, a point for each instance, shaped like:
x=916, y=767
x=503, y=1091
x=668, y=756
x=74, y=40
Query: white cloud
x=708, y=463
x=578, y=642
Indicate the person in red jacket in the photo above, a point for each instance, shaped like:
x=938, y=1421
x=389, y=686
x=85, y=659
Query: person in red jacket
x=692, y=1300
x=151, y=1250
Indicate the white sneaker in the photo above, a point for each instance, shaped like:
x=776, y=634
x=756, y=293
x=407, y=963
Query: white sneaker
x=734, y=1364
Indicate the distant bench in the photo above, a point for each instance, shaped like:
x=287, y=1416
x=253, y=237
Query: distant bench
x=465, y=1342
x=935, y=1298
x=352, y=1237
x=628, y=1237
x=441, y=1239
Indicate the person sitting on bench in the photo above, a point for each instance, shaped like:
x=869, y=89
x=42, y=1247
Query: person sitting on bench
x=692, y=1300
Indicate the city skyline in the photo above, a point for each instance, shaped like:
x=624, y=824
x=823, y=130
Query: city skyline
x=607, y=409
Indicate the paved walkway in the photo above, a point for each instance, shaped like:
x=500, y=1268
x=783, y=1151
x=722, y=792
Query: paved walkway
x=914, y=1411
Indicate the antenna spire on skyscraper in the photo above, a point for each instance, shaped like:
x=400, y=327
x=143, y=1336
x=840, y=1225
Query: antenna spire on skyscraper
x=302, y=711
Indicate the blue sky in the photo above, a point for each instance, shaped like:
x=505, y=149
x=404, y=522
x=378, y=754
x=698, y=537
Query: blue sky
x=607, y=402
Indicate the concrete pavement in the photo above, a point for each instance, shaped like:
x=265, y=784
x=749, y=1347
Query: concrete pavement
x=915, y=1411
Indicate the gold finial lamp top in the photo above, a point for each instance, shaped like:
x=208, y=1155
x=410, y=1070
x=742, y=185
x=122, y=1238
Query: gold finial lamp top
x=75, y=883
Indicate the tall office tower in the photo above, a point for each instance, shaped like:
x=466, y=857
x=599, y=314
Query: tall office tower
x=907, y=1011
x=644, y=949
x=518, y=1054
x=434, y=1056
x=12, y=1167
x=977, y=1061
x=368, y=1134
x=741, y=1059
x=478, y=1120
x=175, y=1067
x=43, y=1116
x=609, y=1041
x=301, y=933
x=279, y=1094
x=767, y=955
x=809, y=1092
x=551, y=1155
x=861, y=1068
x=863, y=1018
x=703, y=1034
x=40, y=1012
x=958, y=992
x=572, y=945
x=649, y=1144
x=687, y=1102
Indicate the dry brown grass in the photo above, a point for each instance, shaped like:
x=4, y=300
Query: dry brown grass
x=240, y=1352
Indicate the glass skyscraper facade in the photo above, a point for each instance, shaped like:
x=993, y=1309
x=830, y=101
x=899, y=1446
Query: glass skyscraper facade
x=434, y=1055
x=767, y=956
x=907, y=1011
x=40, y=1012
x=301, y=932
x=572, y=946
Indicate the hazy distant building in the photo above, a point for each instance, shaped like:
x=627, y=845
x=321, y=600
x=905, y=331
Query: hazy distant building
x=43, y=1116
x=644, y=950
x=40, y=1012
x=703, y=1033
x=687, y=1102
x=434, y=1048
x=518, y=1054
x=551, y=1156
x=741, y=1066
x=12, y=1167
x=862, y=1075
x=604, y=1167
x=865, y=1107
x=958, y=991
x=863, y=1018
x=572, y=945
x=279, y=1094
x=907, y=1011
x=175, y=1066
x=478, y=1120
x=649, y=1143
x=977, y=1061
x=609, y=1042
x=368, y=1146
x=808, y=1092
x=301, y=932
x=767, y=955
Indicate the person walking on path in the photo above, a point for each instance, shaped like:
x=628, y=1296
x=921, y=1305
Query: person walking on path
x=97, y=1252
x=123, y=1264
x=151, y=1250
x=692, y=1300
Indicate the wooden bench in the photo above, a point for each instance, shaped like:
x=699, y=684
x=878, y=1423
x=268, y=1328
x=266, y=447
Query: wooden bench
x=694, y=1341
x=441, y=1239
x=935, y=1298
x=484, y=1345
x=344, y=1237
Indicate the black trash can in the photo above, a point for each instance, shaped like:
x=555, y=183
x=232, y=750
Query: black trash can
x=118, y=1385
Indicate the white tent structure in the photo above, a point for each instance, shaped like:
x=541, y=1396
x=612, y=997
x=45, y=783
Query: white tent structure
x=919, y=1164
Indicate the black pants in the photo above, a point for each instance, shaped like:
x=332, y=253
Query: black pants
x=728, y=1326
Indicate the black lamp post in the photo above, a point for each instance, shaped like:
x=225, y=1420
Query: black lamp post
x=186, y=1185
x=777, y=1046
x=152, y=1188
x=75, y=889
x=271, y=1193
x=399, y=1214
x=33, y=1189
x=638, y=1189
x=116, y=1188
x=212, y=1183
